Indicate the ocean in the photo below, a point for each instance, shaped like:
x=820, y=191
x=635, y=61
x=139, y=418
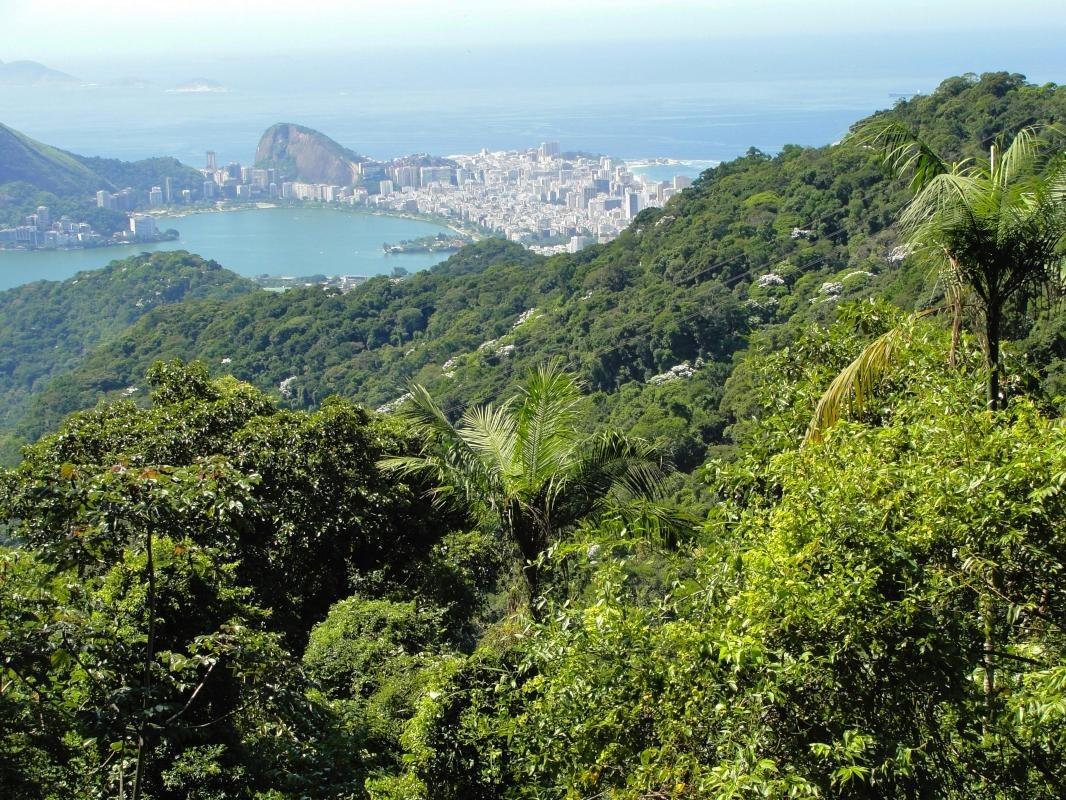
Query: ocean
x=687, y=100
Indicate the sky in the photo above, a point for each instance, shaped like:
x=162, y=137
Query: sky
x=66, y=33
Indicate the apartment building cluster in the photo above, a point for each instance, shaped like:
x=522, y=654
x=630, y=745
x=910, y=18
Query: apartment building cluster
x=39, y=231
x=550, y=201
x=539, y=197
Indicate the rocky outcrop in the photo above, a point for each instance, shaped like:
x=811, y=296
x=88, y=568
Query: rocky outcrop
x=199, y=85
x=304, y=154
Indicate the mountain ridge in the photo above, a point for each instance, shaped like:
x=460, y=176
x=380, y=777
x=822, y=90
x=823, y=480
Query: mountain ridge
x=26, y=160
x=32, y=73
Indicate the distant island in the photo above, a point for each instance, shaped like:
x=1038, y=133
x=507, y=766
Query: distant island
x=199, y=85
x=31, y=73
x=434, y=243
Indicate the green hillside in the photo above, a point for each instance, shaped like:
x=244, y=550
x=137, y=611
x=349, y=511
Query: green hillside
x=144, y=173
x=47, y=328
x=26, y=160
x=687, y=283
x=34, y=174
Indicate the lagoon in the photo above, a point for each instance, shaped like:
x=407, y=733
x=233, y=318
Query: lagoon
x=273, y=241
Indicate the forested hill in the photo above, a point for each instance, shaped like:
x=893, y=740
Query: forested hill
x=26, y=160
x=48, y=169
x=757, y=244
x=205, y=594
x=47, y=328
x=34, y=174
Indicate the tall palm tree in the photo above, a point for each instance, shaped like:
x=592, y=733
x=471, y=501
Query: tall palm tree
x=523, y=468
x=997, y=226
x=994, y=228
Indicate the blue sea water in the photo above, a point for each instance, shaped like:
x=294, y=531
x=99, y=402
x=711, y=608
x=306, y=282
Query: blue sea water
x=694, y=100
x=273, y=241
x=703, y=121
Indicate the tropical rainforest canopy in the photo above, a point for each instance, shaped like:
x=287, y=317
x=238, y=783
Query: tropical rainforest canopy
x=594, y=550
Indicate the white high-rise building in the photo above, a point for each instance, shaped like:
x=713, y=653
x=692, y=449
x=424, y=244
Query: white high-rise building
x=142, y=227
x=548, y=150
x=631, y=204
x=577, y=243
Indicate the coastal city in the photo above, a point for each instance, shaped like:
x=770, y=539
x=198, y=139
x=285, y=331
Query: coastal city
x=39, y=231
x=543, y=198
x=548, y=200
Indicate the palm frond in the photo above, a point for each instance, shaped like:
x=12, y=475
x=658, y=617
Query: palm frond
x=946, y=204
x=1020, y=158
x=446, y=458
x=852, y=389
x=404, y=466
x=610, y=463
x=490, y=432
x=1057, y=179
x=656, y=520
x=425, y=418
x=545, y=423
x=902, y=151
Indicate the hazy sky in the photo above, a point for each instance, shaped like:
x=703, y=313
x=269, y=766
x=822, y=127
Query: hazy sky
x=65, y=32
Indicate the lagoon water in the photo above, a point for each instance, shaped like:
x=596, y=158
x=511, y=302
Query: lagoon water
x=274, y=241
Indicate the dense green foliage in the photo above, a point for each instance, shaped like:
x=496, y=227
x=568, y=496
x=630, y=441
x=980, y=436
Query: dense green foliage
x=690, y=281
x=257, y=521
x=207, y=594
x=47, y=328
x=144, y=173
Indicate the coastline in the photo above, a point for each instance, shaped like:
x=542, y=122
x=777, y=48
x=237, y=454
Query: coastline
x=227, y=207
x=289, y=255
x=104, y=245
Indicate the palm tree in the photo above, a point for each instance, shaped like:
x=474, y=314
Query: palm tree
x=994, y=228
x=523, y=468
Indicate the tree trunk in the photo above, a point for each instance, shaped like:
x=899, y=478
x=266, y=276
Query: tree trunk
x=993, y=392
x=954, y=294
x=988, y=662
x=956, y=324
x=994, y=401
x=529, y=543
